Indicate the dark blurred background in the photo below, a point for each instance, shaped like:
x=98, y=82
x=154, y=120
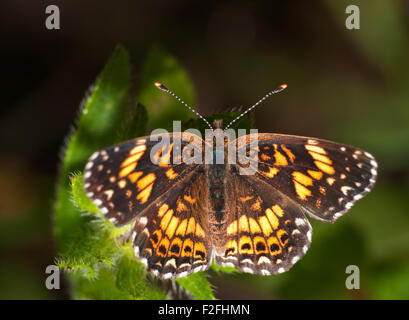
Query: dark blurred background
x=349, y=86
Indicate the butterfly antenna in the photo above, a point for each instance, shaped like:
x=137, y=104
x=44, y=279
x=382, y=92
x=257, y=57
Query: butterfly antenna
x=277, y=90
x=163, y=88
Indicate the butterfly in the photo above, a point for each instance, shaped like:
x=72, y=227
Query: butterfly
x=191, y=206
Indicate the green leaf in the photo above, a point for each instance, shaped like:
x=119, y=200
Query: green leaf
x=88, y=247
x=162, y=108
x=103, y=111
x=129, y=275
x=135, y=126
x=79, y=196
x=219, y=268
x=198, y=285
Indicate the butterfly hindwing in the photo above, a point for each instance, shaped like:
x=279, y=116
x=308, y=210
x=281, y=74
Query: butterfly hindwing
x=323, y=177
x=267, y=232
x=172, y=237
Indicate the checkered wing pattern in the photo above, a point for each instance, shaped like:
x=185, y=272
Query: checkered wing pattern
x=267, y=233
x=172, y=237
x=125, y=179
x=323, y=177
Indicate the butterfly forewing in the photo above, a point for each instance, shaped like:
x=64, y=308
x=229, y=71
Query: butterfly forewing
x=323, y=177
x=126, y=178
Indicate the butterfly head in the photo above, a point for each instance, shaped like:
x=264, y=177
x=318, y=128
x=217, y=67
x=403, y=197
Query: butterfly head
x=218, y=124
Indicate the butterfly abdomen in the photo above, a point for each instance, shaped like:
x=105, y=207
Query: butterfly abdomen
x=217, y=210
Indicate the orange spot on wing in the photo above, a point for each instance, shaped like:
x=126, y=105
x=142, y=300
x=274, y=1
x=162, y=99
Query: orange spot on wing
x=170, y=230
x=320, y=157
x=138, y=149
x=272, y=218
x=145, y=181
x=265, y=225
x=133, y=177
x=199, y=231
x=301, y=191
x=281, y=160
x=143, y=196
x=324, y=167
x=260, y=249
x=280, y=234
x=256, y=206
x=182, y=228
x=187, y=249
x=254, y=227
x=231, y=248
x=180, y=206
x=245, y=245
x=131, y=159
x=277, y=210
x=162, y=248
x=163, y=209
x=271, y=173
x=189, y=199
x=265, y=157
x=232, y=228
x=288, y=152
x=317, y=175
x=156, y=236
x=244, y=199
x=171, y=174
x=125, y=171
x=176, y=243
x=191, y=226
x=303, y=179
x=315, y=149
x=199, y=247
x=330, y=181
x=274, y=246
x=165, y=220
x=243, y=224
